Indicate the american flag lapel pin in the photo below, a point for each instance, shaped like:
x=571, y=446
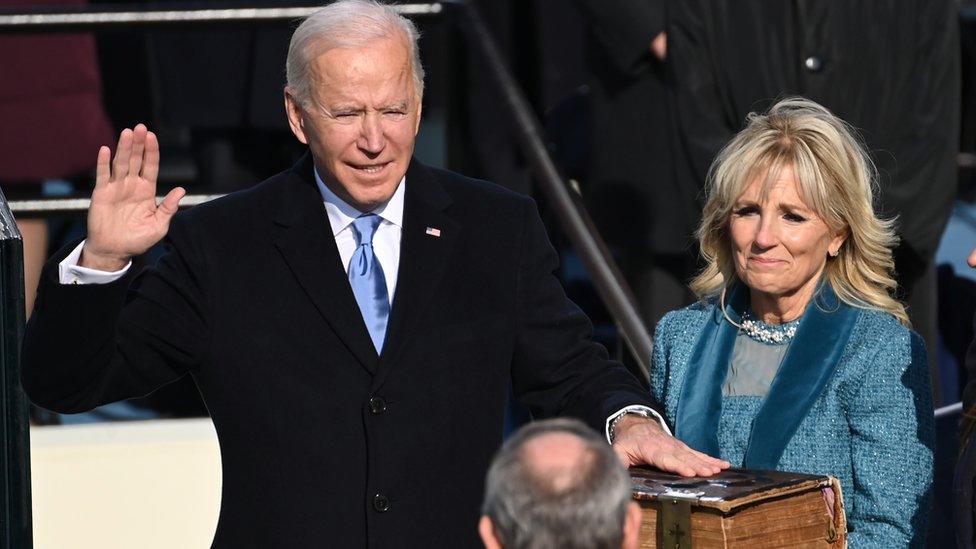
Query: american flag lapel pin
x=433, y=232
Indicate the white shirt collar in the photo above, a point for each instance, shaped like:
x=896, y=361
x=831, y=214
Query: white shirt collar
x=341, y=214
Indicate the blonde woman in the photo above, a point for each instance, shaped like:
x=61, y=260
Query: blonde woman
x=797, y=357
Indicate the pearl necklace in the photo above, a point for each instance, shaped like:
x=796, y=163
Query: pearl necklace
x=773, y=334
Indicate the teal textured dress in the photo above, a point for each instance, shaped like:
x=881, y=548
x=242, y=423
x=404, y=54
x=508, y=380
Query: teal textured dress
x=850, y=399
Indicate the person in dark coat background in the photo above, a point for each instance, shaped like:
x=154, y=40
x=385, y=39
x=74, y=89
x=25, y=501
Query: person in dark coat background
x=629, y=186
x=890, y=68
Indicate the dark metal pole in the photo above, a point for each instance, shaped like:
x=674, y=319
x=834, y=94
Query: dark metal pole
x=576, y=222
x=15, y=509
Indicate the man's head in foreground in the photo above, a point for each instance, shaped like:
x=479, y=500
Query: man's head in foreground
x=556, y=483
x=354, y=93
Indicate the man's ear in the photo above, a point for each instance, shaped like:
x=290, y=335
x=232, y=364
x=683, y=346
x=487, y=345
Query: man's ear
x=632, y=523
x=296, y=116
x=487, y=531
x=420, y=112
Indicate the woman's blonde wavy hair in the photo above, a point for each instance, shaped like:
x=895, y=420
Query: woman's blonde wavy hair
x=834, y=176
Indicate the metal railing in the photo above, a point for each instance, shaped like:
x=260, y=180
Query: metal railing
x=49, y=206
x=576, y=222
x=89, y=19
x=950, y=410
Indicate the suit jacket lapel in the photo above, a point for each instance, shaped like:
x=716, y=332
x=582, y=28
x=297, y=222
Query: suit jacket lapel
x=700, y=402
x=807, y=367
x=307, y=245
x=423, y=259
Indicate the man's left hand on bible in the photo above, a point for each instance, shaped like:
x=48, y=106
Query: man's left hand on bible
x=641, y=441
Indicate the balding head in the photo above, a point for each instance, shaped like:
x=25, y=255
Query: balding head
x=556, y=483
x=557, y=460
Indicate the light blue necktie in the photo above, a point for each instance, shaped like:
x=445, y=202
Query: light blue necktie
x=367, y=280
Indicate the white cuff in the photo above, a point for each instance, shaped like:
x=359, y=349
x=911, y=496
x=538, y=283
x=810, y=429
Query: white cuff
x=69, y=272
x=636, y=408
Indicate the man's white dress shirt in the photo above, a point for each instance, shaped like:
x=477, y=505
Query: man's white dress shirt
x=386, y=239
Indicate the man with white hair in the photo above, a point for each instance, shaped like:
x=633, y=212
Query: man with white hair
x=556, y=483
x=353, y=324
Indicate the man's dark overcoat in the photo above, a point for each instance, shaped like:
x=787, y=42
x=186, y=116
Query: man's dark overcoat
x=323, y=443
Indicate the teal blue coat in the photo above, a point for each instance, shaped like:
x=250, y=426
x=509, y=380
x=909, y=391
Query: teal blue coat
x=851, y=399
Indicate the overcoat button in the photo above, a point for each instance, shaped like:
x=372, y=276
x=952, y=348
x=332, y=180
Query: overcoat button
x=381, y=503
x=813, y=63
x=377, y=405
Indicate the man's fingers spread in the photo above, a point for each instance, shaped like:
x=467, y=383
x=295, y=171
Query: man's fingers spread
x=138, y=146
x=120, y=166
x=102, y=167
x=150, y=168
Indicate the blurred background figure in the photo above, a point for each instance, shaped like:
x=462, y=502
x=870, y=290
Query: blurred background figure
x=556, y=483
x=234, y=125
x=628, y=182
x=890, y=68
x=52, y=119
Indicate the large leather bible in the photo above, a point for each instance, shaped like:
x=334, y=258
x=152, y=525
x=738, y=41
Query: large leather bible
x=739, y=508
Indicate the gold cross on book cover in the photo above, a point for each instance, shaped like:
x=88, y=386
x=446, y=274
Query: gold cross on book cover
x=739, y=508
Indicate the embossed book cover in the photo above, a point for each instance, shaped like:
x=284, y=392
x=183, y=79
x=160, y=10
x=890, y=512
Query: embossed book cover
x=740, y=508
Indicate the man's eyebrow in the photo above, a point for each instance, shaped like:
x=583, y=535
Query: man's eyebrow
x=344, y=107
x=352, y=108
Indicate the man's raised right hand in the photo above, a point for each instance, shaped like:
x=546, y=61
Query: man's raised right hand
x=124, y=220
